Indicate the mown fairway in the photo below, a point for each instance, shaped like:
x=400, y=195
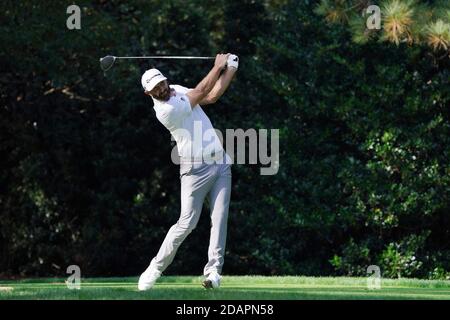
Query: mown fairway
x=233, y=287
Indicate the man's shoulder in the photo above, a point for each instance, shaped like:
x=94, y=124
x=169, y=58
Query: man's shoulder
x=170, y=105
x=162, y=107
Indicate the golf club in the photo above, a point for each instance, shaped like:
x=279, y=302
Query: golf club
x=107, y=62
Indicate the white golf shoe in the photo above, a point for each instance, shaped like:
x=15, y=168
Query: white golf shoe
x=212, y=281
x=148, y=278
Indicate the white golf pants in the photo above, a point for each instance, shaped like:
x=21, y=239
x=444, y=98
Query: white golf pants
x=197, y=181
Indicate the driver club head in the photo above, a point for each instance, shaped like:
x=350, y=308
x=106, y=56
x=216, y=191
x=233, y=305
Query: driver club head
x=107, y=62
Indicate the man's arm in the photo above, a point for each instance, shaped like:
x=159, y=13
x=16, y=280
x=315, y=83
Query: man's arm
x=219, y=88
x=205, y=86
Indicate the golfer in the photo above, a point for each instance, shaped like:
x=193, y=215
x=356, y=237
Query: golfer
x=205, y=168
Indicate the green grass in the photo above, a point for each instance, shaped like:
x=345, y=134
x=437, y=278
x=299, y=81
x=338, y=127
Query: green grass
x=233, y=287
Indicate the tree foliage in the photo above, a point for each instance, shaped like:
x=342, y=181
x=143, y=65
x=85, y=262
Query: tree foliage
x=404, y=21
x=86, y=173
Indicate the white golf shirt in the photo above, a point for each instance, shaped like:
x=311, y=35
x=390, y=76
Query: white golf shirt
x=190, y=127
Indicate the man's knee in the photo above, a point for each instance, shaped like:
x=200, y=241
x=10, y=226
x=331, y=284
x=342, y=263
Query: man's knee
x=186, y=226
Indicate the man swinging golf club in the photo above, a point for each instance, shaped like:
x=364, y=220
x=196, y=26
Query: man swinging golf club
x=205, y=168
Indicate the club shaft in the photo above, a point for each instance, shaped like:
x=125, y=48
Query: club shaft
x=168, y=57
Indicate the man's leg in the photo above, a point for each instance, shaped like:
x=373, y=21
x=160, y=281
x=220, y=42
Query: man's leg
x=194, y=188
x=219, y=199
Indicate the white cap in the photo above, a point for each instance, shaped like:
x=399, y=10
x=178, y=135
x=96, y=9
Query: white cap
x=151, y=78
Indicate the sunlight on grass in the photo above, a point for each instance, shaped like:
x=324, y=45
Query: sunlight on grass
x=233, y=287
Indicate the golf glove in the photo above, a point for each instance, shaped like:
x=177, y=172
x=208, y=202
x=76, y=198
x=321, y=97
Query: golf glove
x=233, y=61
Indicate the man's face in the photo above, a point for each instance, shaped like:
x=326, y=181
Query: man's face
x=161, y=91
